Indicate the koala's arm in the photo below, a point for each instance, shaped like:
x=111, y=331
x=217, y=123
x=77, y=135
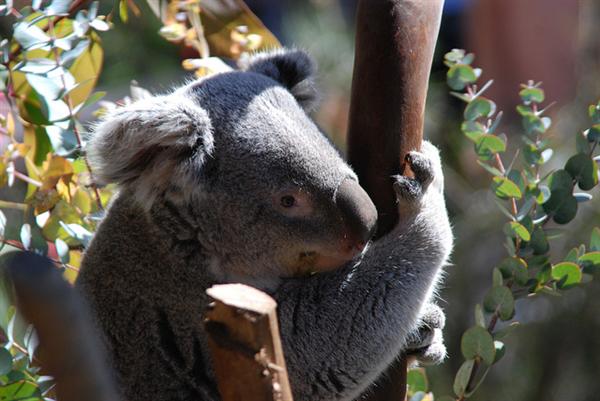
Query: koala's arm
x=340, y=330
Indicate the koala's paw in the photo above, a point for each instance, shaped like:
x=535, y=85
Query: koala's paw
x=426, y=167
x=426, y=343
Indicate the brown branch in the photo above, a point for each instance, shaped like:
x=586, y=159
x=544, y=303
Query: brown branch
x=395, y=40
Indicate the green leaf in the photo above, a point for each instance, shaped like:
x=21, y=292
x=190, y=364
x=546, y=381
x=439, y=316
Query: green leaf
x=487, y=145
x=500, y=350
x=595, y=239
x=497, y=279
x=64, y=142
x=455, y=55
x=472, y=129
x=501, y=299
x=581, y=197
x=532, y=95
x=30, y=37
x=416, y=380
x=459, y=76
x=479, y=318
x=461, y=381
x=566, y=273
x=58, y=7
x=561, y=179
x=25, y=235
x=593, y=134
x=490, y=169
x=6, y=361
x=478, y=342
x=533, y=124
x=514, y=267
x=123, y=12
x=562, y=206
x=68, y=58
x=36, y=66
x=20, y=391
x=590, y=261
x=479, y=108
x=517, y=230
x=2, y=224
x=62, y=249
x=594, y=113
x=583, y=169
x=505, y=188
x=539, y=242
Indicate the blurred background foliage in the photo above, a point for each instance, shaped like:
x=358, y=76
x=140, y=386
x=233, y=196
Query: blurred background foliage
x=555, y=353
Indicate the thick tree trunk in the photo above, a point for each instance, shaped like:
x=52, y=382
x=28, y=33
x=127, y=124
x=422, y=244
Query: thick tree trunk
x=395, y=40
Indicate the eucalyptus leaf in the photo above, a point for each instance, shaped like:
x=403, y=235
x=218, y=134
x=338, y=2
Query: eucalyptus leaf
x=30, y=37
x=595, y=239
x=505, y=188
x=462, y=378
x=532, y=95
x=501, y=299
x=459, y=76
x=479, y=318
x=478, y=342
x=500, y=350
x=583, y=169
x=517, y=230
x=25, y=235
x=416, y=380
x=567, y=273
x=479, y=108
x=6, y=361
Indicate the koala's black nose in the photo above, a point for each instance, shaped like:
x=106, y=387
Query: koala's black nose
x=357, y=210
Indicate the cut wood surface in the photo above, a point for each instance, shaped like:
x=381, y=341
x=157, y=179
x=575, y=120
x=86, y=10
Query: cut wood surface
x=395, y=40
x=243, y=336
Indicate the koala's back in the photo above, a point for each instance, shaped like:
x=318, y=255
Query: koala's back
x=135, y=288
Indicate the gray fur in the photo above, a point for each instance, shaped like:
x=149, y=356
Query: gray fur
x=201, y=211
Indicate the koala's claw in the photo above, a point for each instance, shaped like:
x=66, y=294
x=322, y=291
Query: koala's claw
x=422, y=166
x=413, y=188
x=426, y=343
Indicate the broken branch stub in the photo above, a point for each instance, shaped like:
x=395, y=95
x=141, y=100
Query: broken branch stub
x=243, y=337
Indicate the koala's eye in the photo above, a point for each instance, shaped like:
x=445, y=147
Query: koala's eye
x=288, y=201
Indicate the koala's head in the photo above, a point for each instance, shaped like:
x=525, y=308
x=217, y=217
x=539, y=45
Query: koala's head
x=243, y=170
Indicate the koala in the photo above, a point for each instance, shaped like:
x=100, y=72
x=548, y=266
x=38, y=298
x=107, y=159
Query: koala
x=227, y=179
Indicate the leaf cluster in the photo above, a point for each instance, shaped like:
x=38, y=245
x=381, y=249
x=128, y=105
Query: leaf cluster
x=533, y=201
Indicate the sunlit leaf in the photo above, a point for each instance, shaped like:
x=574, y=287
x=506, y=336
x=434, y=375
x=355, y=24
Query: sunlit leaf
x=505, y=188
x=567, y=273
x=517, y=230
x=30, y=36
x=25, y=235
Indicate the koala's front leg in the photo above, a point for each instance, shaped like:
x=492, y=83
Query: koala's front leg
x=340, y=330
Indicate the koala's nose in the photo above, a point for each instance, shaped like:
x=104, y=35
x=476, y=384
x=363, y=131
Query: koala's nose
x=357, y=210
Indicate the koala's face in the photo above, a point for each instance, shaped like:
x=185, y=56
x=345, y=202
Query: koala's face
x=271, y=196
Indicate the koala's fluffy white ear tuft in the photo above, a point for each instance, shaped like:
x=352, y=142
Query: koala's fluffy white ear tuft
x=151, y=144
x=294, y=69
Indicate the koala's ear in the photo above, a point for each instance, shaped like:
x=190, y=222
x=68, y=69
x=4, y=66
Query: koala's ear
x=151, y=144
x=294, y=69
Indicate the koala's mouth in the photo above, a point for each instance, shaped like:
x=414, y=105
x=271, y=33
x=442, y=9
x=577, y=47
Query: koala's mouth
x=315, y=262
